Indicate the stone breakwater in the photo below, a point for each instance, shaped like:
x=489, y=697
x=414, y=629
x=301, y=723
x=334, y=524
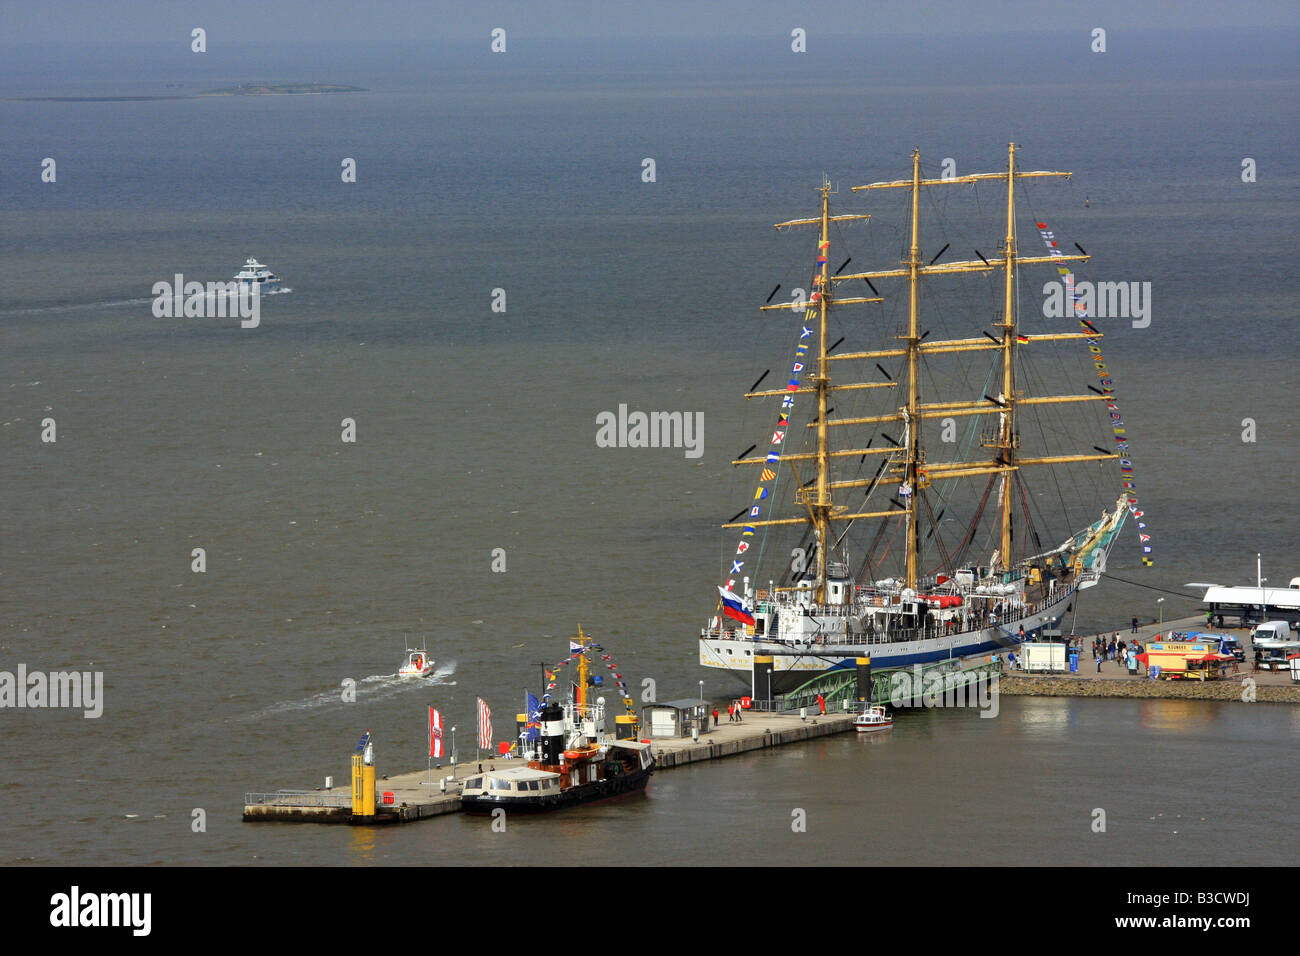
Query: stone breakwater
x=1229, y=689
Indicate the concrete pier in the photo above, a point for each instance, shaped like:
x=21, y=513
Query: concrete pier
x=431, y=793
x=419, y=795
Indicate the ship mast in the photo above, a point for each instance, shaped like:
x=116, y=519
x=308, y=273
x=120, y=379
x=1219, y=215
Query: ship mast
x=818, y=501
x=1007, y=439
x=821, y=508
x=913, y=423
x=914, y=470
x=581, y=695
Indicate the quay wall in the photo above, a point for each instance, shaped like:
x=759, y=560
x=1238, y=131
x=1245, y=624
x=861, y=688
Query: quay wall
x=1016, y=685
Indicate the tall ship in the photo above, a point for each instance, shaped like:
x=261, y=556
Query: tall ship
x=935, y=515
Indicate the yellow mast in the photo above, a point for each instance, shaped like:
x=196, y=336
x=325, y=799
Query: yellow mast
x=913, y=390
x=1007, y=438
x=916, y=468
x=821, y=508
x=915, y=411
x=582, y=673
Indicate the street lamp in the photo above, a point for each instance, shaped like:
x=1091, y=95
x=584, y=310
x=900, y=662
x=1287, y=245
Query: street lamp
x=453, y=746
x=1160, y=605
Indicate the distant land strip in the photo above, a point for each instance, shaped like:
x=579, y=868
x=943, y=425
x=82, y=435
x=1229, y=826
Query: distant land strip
x=243, y=89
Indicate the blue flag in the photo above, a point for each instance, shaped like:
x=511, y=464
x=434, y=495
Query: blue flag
x=533, y=710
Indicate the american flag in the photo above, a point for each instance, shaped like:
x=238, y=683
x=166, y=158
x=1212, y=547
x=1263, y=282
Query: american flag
x=484, y=725
x=435, y=733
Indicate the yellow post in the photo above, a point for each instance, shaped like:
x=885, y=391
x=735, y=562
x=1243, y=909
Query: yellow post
x=356, y=784
x=363, y=788
x=368, y=785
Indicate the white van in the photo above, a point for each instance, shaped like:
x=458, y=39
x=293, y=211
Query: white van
x=1274, y=642
x=1272, y=631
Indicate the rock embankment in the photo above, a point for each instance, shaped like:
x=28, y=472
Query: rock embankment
x=1234, y=688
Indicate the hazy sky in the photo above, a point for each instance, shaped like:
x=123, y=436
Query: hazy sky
x=371, y=23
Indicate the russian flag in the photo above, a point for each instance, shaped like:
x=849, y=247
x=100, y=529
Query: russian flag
x=734, y=608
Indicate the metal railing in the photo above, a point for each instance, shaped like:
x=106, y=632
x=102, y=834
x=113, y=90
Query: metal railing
x=1011, y=614
x=838, y=686
x=297, y=798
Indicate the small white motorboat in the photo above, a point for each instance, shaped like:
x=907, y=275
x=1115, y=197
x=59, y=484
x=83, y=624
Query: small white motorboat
x=254, y=275
x=872, y=719
x=418, y=664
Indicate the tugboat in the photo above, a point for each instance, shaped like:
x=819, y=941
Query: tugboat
x=418, y=664
x=872, y=720
x=570, y=760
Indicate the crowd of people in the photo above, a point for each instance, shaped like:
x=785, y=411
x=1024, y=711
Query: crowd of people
x=1124, y=653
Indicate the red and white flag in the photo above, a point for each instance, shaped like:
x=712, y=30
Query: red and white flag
x=435, y=733
x=484, y=725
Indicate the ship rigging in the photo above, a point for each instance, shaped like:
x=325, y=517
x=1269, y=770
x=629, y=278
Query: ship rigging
x=823, y=614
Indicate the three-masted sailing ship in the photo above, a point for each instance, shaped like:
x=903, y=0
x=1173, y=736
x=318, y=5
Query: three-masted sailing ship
x=836, y=601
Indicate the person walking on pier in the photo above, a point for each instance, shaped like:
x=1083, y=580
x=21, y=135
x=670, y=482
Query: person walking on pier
x=1135, y=625
x=715, y=718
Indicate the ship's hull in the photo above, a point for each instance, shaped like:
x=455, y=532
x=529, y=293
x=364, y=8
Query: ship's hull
x=794, y=664
x=610, y=787
x=873, y=728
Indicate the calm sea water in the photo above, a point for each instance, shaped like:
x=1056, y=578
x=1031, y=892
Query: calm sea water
x=476, y=430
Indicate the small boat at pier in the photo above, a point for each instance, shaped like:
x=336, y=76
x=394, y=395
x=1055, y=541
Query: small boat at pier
x=872, y=720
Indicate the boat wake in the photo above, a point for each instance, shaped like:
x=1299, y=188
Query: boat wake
x=75, y=306
x=368, y=689
x=235, y=292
